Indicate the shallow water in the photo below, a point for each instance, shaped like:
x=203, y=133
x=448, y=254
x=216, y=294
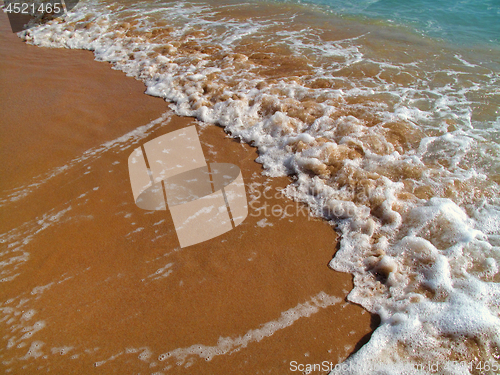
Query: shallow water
x=462, y=22
x=391, y=134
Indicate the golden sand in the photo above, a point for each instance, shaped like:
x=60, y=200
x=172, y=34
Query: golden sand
x=112, y=298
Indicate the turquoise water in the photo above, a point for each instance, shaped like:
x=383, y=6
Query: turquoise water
x=464, y=22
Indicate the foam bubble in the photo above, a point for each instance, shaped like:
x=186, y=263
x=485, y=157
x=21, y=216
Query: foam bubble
x=35, y=350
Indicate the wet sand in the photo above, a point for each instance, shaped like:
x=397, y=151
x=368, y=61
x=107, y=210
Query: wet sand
x=92, y=283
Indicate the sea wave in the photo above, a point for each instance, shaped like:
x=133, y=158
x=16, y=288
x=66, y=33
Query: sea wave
x=392, y=137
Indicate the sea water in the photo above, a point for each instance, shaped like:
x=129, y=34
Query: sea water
x=386, y=115
x=465, y=22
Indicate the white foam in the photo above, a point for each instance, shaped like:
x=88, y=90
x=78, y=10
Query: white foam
x=35, y=350
x=417, y=262
x=162, y=272
x=264, y=223
x=63, y=350
x=16, y=239
x=227, y=345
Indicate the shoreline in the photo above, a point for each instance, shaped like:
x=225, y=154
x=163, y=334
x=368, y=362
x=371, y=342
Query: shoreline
x=91, y=292
x=391, y=140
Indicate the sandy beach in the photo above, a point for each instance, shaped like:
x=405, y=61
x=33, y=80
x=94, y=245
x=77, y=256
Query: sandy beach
x=93, y=284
